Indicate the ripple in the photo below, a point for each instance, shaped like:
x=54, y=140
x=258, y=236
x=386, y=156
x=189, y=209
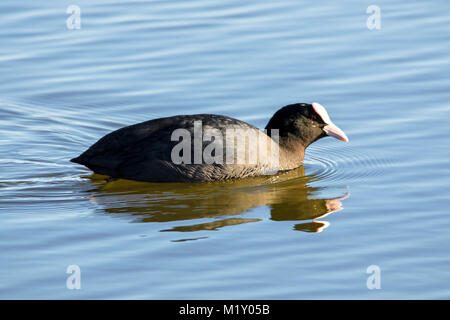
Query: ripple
x=344, y=164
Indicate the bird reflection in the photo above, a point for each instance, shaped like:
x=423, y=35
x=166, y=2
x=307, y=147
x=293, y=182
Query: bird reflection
x=287, y=195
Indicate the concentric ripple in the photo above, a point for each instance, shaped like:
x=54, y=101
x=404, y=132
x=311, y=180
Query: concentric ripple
x=343, y=164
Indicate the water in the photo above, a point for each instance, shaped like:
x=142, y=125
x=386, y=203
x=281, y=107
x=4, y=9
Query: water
x=382, y=199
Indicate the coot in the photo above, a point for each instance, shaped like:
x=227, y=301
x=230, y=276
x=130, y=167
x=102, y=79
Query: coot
x=208, y=147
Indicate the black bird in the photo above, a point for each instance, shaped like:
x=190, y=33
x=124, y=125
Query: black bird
x=213, y=147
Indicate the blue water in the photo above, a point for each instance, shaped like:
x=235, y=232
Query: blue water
x=385, y=192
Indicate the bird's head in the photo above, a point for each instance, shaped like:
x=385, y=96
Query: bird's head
x=305, y=122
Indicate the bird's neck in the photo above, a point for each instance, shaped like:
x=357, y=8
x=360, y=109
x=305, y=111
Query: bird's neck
x=291, y=147
x=292, y=152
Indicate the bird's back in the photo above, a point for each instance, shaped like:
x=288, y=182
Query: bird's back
x=144, y=151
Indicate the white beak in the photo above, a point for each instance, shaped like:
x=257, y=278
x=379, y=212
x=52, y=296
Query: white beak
x=333, y=131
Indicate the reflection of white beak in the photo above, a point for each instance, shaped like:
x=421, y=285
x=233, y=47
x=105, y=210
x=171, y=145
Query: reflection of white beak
x=325, y=224
x=333, y=131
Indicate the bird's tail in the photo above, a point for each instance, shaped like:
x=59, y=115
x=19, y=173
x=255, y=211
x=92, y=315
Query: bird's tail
x=77, y=160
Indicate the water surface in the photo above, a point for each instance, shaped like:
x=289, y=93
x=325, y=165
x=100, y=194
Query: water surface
x=382, y=199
